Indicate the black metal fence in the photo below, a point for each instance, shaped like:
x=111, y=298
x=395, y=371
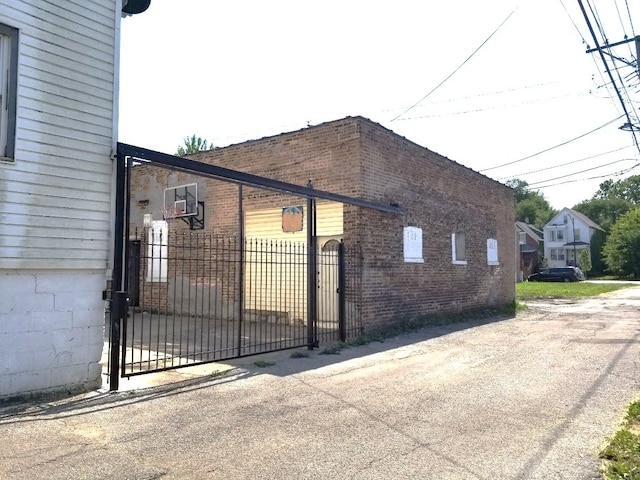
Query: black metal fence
x=197, y=297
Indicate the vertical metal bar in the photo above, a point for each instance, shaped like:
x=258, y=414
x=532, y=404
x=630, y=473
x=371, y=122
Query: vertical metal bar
x=342, y=326
x=116, y=280
x=311, y=271
x=240, y=269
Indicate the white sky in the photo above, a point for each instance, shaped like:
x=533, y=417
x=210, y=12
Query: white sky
x=231, y=71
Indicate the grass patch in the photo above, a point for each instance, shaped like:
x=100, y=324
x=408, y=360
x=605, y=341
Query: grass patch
x=621, y=455
x=263, y=364
x=529, y=290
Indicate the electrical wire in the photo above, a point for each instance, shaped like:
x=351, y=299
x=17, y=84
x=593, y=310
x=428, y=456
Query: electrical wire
x=554, y=147
x=583, y=171
x=615, y=174
x=456, y=70
x=520, y=175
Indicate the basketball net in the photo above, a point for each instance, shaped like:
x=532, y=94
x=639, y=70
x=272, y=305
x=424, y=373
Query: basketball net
x=170, y=213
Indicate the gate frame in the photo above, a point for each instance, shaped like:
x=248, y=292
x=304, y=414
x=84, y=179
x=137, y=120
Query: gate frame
x=125, y=156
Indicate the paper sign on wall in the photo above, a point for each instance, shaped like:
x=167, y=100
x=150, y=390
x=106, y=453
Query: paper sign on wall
x=413, y=245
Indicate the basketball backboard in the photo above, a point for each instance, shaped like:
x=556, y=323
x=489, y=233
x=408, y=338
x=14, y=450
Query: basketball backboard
x=183, y=200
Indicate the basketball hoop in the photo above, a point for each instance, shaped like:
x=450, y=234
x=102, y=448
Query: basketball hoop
x=170, y=213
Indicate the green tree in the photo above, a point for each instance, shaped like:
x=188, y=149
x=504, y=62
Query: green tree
x=585, y=260
x=531, y=206
x=627, y=189
x=604, y=211
x=622, y=250
x=598, y=240
x=193, y=144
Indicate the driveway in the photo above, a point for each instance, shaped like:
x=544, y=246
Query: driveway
x=530, y=397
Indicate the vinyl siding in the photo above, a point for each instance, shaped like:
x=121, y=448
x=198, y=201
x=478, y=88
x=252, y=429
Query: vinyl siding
x=55, y=197
x=268, y=223
x=277, y=281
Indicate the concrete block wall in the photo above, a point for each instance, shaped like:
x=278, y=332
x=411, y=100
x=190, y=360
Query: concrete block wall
x=51, y=331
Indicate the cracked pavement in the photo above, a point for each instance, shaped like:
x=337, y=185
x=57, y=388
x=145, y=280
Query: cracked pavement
x=530, y=397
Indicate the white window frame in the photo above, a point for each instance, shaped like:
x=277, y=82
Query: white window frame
x=522, y=238
x=8, y=90
x=457, y=257
x=557, y=235
x=576, y=234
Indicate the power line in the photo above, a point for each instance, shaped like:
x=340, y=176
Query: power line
x=615, y=174
x=606, y=65
x=562, y=164
x=583, y=171
x=456, y=70
x=554, y=147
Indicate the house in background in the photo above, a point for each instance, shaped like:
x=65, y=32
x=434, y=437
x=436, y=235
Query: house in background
x=58, y=132
x=530, y=248
x=565, y=236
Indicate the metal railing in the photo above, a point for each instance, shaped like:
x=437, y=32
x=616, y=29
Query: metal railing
x=198, y=297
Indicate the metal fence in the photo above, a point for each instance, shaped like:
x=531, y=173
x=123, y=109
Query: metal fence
x=197, y=297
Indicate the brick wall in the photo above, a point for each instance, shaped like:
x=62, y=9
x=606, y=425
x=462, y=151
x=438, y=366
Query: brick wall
x=358, y=158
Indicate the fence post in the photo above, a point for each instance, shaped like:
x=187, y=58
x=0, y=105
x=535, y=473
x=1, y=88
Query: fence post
x=342, y=320
x=312, y=276
x=116, y=281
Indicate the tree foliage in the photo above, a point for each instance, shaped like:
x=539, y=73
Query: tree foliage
x=531, y=206
x=193, y=144
x=627, y=189
x=622, y=250
x=604, y=211
x=585, y=260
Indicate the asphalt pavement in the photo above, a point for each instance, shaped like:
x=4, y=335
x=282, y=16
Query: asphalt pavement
x=530, y=397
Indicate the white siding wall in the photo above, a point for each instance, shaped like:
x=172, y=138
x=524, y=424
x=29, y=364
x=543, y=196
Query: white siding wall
x=55, y=198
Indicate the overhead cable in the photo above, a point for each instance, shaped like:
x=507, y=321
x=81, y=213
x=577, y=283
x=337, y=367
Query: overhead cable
x=554, y=147
x=455, y=71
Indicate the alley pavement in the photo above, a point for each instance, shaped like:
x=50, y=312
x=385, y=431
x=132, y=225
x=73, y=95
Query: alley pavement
x=530, y=397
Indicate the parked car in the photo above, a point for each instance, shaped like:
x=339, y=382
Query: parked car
x=560, y=274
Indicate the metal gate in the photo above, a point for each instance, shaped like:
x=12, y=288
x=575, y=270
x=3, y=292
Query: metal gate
x=202, y=297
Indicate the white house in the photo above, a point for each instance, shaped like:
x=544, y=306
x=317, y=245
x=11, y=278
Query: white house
x=58, y=126
x=565, y=235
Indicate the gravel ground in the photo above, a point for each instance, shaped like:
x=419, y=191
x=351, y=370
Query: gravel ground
x=530, y=397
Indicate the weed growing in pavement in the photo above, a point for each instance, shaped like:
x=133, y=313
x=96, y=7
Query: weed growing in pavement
x=416, y=323
x=621, y=455
x=263, y=364
x=299, y=355
x=333, y=349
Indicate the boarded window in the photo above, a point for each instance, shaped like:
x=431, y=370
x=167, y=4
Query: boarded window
x=492, y=251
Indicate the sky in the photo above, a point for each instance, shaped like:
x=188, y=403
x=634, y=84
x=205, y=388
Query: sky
x=485, y=84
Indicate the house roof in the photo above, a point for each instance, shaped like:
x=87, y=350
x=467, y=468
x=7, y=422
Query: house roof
x=530, y=230
x=577, y=215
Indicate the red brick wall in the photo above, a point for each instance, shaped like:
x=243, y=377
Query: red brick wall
x=358, y=158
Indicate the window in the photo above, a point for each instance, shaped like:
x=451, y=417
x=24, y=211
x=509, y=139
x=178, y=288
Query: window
x=557, y=254
x=557, y=235
x=523, y=238
x=8, y=87
x=458, y=253
x=576, y=235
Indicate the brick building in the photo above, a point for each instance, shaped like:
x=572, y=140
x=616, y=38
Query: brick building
x=452, y=251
